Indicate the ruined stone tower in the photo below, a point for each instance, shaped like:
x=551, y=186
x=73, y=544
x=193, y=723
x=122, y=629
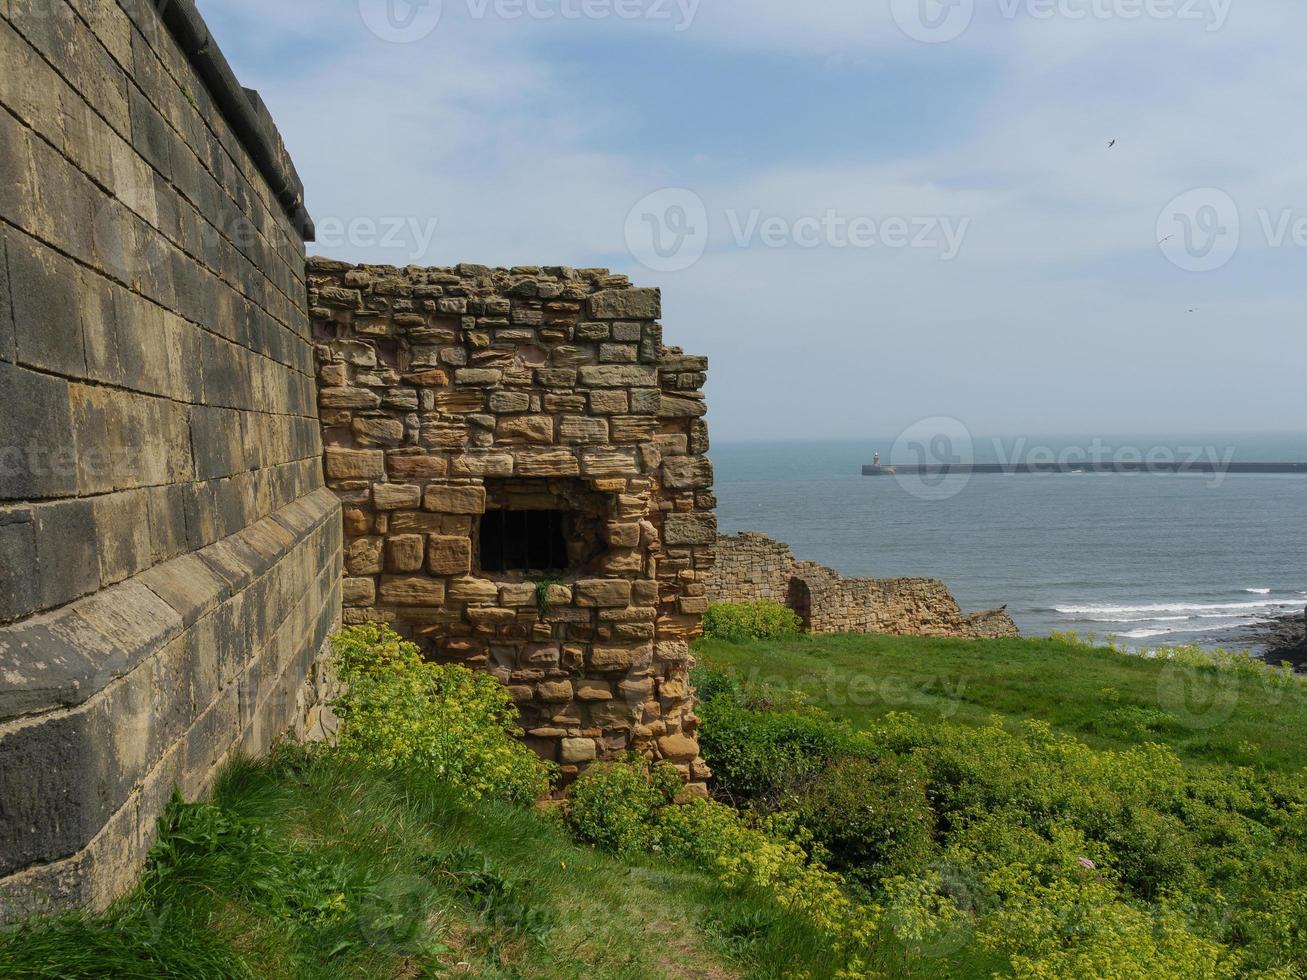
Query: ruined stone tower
x=521, y=463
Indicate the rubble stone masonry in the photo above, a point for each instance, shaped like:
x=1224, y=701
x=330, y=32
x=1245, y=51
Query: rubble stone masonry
x=449, y=394
x=169, y=556
x=751, y=566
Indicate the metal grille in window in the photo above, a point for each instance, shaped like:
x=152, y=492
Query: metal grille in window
x=523, y=541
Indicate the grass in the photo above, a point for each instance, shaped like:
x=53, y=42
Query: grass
x=302, y=866
x=1104, y=698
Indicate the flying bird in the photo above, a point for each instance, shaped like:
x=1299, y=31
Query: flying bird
x=1111, y=144
x=1166, y=239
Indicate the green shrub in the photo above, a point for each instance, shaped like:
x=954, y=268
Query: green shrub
x=740, y=621
x=871, y=816
x=767, y=756
x=614, y=804
x=398, y=711
x=1026, y=844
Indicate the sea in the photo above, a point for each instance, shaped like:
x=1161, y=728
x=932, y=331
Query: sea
x=1148, y=559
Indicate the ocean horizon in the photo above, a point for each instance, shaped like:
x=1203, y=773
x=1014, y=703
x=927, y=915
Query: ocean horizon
x=1150, y=559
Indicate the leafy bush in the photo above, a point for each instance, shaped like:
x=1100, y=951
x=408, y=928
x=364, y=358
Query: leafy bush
x=629, y=808
x=764, y=756
x=1029, y=845
x=398, y=711
x=871, y=816
x=613, y=804
x=740, y=621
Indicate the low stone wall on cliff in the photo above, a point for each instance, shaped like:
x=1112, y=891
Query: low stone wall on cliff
x=751, y=566
x=467, y=410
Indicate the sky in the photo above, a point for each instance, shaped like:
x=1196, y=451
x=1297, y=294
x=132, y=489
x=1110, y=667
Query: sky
x=869, y=214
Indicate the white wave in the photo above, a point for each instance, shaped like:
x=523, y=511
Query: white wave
x=1259, y=591
x=1163, y=608
x=1143, y=634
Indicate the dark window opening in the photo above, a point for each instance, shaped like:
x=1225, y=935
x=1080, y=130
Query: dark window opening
x=523, y=541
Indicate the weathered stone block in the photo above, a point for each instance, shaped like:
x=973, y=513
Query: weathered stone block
x=618, y=376
x=405, y=552
x=543, y=463
x=396, y=496
x=363, y=556
x=535, y=429
x=579, y=429
x=449, y=555
x=690, y=529
x=473, y=591
x=606, y=658
x=411, y=591
x=626, y=304
x=403, y=467
x=355, y=464
x=379, y=432
x=575, y=751
x=359, y=592
x=602, y=593
x=455, y=499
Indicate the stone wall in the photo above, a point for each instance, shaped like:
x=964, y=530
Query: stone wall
x=449, y=393
x=751, y=566
x=169, y=557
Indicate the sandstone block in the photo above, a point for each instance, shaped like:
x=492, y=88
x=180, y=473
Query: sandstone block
x=477, y=377
x=416, y=467
x=536, y=429
x=473, y=591
x=379, y=432
x=602, y=593
x=355, y=464
x=481, y=464
x=575, y=751
x=609, y=401
x=690, y=529
x=607, y=658
x=455, y=500
x=396, y=496
x=625, y=304
x=592, y=690
x=618, y=376
x=412, y=591
x=352, y=398
x=359, y=592
x=404, y=552
x=449, y=555
x=578, y=429
x=550, y=462
x=554, y=692
x=363, y=556
x=509, y=402
x=608, y=463
x=678, y=748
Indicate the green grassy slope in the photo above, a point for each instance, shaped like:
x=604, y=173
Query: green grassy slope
x=1105, y=698
x=302, y=868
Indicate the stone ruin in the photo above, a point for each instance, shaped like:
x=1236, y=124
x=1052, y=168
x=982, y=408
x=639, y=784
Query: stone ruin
x=521, y=465
x=751, y=566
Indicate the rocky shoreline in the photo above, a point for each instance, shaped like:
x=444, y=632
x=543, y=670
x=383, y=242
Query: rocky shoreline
x=1281, y=640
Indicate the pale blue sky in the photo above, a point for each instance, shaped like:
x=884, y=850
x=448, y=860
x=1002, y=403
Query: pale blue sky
x=1039, y=300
